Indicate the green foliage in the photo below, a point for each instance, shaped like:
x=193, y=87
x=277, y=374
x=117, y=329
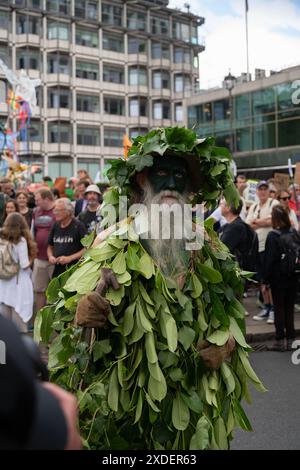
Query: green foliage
x=139, y=381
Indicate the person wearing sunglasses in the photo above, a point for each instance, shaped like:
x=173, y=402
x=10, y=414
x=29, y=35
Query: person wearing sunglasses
x=284, y=199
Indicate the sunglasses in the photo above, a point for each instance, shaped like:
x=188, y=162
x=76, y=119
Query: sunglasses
x=285, y=198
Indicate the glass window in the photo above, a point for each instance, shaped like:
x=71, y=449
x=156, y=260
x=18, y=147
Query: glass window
x=111, y=14
x=181, y=31
x=243, y=139
x=159, y=26
x=288, y=132
x=87, y=37
x=87, y=70
x=138, y=106
x=137, y=46
x=58, y=168
x=221, y=110
x=263, y=101
x=4, y=19
x=182, y=83
x=58, y=98
x=194, y=34
x=160, y=79
x=113, y=74
x=195, y=115
x=160, y=50
x=27, y=24
x=88, y=104
x=178, y=112
x=113, y=137
x=59, y=6
x=286, y=108
x=207, y=114
x=58, y=63
x=111, y=42
x=86, y=9
x=88, y=136
x=92, y=167
x=137, y=131
x=264, y=136
x=223, y=139
x=36, y=131
x=59, y=133
x=28, y=59
x=242, y=106
x=182, y=55
x=58, y=30
x=161, y=110
x=114, y=105
x=5, y=54
x=136, y=20
x=138, y=76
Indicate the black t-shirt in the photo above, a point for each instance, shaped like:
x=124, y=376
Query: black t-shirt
x=234, y=235
x=89, y=219
x=66, y=241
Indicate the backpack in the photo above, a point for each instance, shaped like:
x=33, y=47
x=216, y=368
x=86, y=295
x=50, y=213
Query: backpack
x=8, y=266
x=289, y=244
x=248, y=258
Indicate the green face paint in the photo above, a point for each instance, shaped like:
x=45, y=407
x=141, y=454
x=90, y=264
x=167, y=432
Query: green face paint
x=169, y=174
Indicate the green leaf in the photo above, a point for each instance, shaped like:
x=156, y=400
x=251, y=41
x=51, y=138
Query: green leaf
x=180, y=413
x=84, y=279
x=115, y=296
x=193, y=401
x=186, y=336
x=113, y=390
x=157, y=389
x=128, y=321
x=218, y=337
x=217, y=169
x=101, y=348
x=124, y=278
x=250, y=372
x=145, y=295
x=227, y=377
x=241, y=417
x=87, y=240
x=200, y=440
x=102, y=252
x=142, y=319
x=150, y=348
x=43, y=325
x=151, y=403
x=220, y=434
x=211, y=274
x=139, y=407
x=197, y=286
x=237, y=334
x=146, y=267
x=119, y=263
x=170, y=327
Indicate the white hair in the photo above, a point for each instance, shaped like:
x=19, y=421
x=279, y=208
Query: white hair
x=67, y=204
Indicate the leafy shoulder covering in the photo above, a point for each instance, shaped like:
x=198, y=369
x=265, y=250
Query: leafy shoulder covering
x=139, y=381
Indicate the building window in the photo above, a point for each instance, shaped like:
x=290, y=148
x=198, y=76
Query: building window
x=88, y=136
x=181, y=31
x=138, y=106
x=195, y=115
x=194, y=34
x=289, y=132
x=159, y=26
x=111, y=14
x=182, y=55
x=5, y=54
x=87, y=37
x=87, y=70
x=28, y=59
x=138, y=76
x=161, y=110
x=113, y=73
x=182, y=83
x=59, y=6
x=58, y=30
x=286, y=108
x=88, y=104
x=264, y=136
x=111, y=42
x=243, y=139
x=242, y=106
x=113, y=137
x=178, y=112
x=160, y=50
x=207, y=112
x=59, y=133
x=160, y=79
x=221, y=110
x=114, y=105
x=58, y=98
x=92, y=167
x=263, y=101
x=86, y=9
x=58, y=168
x=4, y=20
x=58, y=63
x=27, y=24
x=36, y=131
x=136, y=20
x=137, y=46
x=137, y=131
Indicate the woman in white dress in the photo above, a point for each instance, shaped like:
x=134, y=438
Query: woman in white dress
x=16, y=293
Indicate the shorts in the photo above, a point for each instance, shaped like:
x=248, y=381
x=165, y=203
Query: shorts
x=42, y=274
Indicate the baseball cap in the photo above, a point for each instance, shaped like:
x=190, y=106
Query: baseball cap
x=262, y=183
x=92, y=188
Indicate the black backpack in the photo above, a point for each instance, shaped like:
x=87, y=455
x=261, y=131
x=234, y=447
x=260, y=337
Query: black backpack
x=289, y=244
x=248, y=257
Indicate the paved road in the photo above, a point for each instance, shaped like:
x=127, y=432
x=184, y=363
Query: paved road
x=274, y=415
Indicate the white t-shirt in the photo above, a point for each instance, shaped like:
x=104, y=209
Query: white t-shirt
x=258, y=211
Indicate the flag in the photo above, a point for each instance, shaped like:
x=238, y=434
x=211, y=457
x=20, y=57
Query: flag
x=247, y=7
x=126, y=144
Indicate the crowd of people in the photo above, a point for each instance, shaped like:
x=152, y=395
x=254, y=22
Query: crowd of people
x=44, y=229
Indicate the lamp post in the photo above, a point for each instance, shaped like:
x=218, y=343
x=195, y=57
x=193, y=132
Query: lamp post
x=229, y=82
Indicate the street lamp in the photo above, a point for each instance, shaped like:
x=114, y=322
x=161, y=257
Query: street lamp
x=229, y=82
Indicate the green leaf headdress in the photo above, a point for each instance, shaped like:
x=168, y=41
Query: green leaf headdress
x=209, y=166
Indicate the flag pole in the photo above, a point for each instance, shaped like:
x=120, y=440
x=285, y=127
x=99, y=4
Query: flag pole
x=247, y=44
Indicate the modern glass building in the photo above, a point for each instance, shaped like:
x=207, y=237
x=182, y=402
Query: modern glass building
x=108, y=68
x=259, y=121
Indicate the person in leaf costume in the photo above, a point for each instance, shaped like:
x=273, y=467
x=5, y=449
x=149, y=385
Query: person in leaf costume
x=149, y=335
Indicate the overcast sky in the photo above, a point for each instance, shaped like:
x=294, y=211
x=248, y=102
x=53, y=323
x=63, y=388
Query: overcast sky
x=274, y=36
